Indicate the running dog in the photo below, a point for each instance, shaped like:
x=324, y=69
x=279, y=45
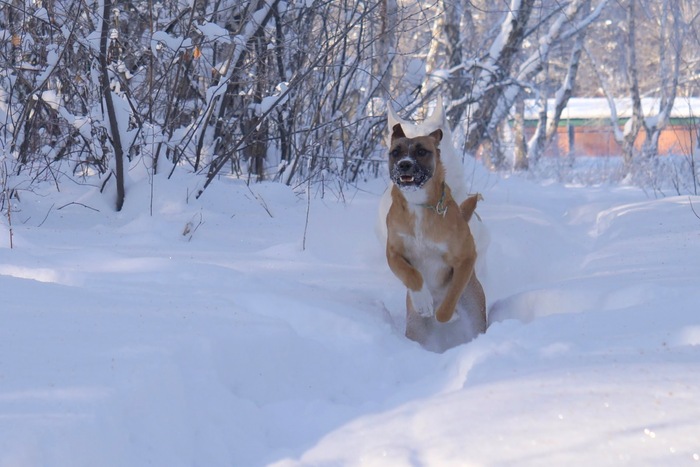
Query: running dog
x=430, y=247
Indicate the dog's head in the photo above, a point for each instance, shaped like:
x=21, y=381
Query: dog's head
x=413, y=161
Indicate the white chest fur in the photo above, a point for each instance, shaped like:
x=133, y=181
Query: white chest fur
x=426, y=255
x=415, y=197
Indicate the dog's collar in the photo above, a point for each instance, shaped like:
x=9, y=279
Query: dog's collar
x=440, y=207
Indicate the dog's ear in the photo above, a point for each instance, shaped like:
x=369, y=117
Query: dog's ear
x=437, y=135
x=397, y=132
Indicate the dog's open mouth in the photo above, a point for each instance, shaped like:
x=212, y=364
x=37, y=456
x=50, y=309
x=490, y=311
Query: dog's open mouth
x=410, y=178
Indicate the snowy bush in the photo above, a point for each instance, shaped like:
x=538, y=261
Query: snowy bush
x=296, y=91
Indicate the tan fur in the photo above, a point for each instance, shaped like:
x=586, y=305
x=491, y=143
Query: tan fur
x=468, y=206
x=441, y=244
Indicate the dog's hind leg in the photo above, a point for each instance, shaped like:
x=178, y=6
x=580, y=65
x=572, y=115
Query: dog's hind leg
x=461, y=276
x=439, y=337
x=418, y=328
x=472, y=306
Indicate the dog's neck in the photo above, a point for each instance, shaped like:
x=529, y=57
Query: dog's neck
x=441, y=206
x=430, y=196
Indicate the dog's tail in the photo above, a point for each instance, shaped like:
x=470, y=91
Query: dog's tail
x=468, y=206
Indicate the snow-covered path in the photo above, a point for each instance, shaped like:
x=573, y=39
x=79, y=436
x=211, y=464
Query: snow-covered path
x=125, y=342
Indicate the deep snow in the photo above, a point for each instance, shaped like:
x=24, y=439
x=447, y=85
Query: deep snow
x=124, y=342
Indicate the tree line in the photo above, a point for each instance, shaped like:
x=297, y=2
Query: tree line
x=296, y=91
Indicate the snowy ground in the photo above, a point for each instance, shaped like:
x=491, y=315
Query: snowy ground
x=124, y=342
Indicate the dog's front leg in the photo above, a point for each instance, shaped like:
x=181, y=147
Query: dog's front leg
x=418, y=293
x=462, y=272
x=422, y=301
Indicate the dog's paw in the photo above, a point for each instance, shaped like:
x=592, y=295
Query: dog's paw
x=446, y=315
x=422, y=302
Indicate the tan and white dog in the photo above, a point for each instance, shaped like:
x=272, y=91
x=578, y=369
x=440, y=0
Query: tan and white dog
x=430, y=247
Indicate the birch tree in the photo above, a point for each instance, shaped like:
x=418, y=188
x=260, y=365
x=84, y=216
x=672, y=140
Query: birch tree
x=671, y=38
x=493, y=72
x=547, y=126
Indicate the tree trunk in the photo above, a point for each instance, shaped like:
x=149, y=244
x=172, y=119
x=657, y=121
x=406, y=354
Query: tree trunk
x=520, y=161
x=455, y=12
x=537, y=143
x=109, y=103
x=546, y=127
x=567, y=88
x=383, y=60
x=637, y=120
x=670, y=35
x=496, y=66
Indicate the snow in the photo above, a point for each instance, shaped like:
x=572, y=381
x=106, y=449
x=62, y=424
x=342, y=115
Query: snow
x=51, y=98
x=268, y=102
x=214, y=32
x=127, y=340
x=42, y=15
x=174, y=43
x=51, y=61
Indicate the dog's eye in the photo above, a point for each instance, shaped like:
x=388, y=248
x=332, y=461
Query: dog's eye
x=421, y=152
x=395, y=153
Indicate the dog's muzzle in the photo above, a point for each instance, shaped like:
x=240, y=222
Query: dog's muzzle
x=407, y=174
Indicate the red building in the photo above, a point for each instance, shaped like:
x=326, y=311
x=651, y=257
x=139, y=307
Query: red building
x=585, y=128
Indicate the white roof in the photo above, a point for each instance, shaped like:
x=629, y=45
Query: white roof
x=598, y=108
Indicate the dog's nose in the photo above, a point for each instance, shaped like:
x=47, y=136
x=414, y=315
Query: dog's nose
x=405, y=165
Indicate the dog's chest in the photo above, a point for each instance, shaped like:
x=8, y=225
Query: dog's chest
x=424, y=253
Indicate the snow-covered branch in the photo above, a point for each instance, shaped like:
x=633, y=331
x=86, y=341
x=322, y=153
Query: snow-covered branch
x=535, y=62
